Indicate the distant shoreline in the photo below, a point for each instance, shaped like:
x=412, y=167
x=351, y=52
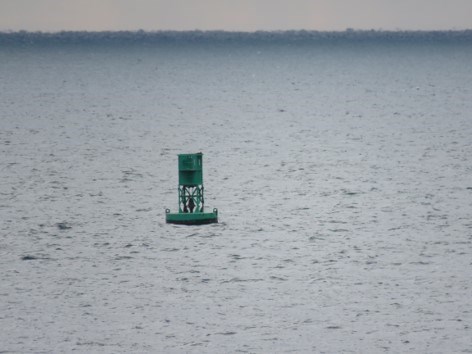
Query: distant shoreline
x=224, y=36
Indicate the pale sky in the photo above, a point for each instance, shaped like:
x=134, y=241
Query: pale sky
x=234, y=15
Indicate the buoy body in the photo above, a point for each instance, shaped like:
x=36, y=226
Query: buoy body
x=191, y=193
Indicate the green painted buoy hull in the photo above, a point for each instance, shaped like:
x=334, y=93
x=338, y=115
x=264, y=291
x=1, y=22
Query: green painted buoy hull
x=191, y=200
x=192, y=218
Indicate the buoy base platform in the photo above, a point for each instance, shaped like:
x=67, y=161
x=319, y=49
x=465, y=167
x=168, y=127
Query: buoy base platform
x=192, y=218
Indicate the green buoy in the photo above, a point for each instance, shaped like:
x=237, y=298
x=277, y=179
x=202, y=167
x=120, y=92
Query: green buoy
x=191, y=200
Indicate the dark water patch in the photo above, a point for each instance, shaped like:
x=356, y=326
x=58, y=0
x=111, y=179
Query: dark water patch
x=120, y=258
x=333, y=327
x=349, y=193
x=143, y=210
x=330, y=261
x=63, y=226
x=99, y=344
x=315, y=238
x=229, y=333
x=130, y=175
x=462, y=243
x=210, y=235
x=198, y=344
x=431, y=216
x=101, y=244
x=191, y=235
x=236, y=257
x=271, y=339
x=240, y=280
x=29, y=257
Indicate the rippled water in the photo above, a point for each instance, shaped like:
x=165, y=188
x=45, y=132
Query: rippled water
x=342, y=174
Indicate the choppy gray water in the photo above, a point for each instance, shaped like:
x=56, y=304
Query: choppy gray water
x=342, y=174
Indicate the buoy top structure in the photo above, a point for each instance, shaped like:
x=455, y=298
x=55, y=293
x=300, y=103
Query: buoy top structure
x=191, y=199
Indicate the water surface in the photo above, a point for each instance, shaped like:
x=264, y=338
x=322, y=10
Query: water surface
x=341, y=170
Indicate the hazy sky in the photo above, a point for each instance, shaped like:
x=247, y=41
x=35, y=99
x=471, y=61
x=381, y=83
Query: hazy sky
x=234, y=15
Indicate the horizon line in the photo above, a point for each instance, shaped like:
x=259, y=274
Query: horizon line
x=347, y=30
